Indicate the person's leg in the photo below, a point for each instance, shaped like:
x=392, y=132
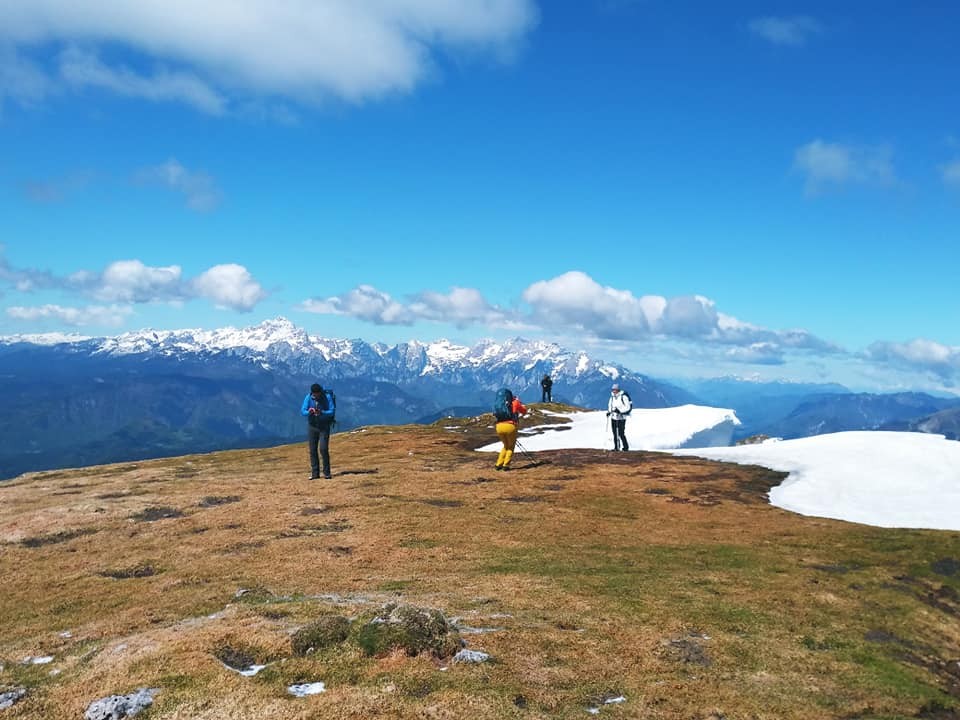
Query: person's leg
x=543, y=396
x=622, y=430
x=509, y=443
x=550, y=395
x=313, y=437
x=502, y=432
x=616, y=437
x=325, y=451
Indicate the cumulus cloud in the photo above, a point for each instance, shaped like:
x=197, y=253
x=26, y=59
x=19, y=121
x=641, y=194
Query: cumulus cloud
x=575, y=302
x=228, y=286
x=833, y=165
x=133, y=282
x=364, y=302
x=920, y=354
x=461, y=306
x=301, y=51
x=24, y=280
x=130, y=281
x=763, y=353
x=198, y=189
x=787, y=31
x=113, y=315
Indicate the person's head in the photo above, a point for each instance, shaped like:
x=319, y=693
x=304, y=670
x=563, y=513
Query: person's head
x=615, y=389
x=316, y=389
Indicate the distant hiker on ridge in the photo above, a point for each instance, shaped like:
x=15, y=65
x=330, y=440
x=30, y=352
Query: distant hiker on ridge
x=319, y=407
x=618, y=407
x=547, y=385
x=507, y=409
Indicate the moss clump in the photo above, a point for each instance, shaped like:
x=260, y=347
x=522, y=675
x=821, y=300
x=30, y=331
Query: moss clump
x=413, y=629
x=322, y=633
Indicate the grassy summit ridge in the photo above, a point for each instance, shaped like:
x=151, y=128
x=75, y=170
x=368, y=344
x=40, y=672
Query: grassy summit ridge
x=587, y=576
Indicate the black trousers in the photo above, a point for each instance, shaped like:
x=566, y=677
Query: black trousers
x=547, y=396
x=619, y=435
x=319, y=439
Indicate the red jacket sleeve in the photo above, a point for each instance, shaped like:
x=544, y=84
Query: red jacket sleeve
x=518, y=407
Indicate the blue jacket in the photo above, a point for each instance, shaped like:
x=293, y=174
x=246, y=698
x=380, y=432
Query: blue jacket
x=323, y=417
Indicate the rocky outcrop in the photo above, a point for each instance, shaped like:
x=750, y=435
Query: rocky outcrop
x=118, y=707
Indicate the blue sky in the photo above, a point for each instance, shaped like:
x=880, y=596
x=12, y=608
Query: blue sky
x=765, y=189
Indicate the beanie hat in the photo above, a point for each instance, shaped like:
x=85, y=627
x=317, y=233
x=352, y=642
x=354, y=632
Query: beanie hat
x=315, y=388
x=615, y=387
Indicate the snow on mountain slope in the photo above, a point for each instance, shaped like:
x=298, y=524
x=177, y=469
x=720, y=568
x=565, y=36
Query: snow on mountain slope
x=887, y=479
x=663, y=429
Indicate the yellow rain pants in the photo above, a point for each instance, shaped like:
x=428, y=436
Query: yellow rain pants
x=507, y=432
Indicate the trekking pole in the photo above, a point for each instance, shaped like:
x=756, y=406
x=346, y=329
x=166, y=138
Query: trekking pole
x=526, y=453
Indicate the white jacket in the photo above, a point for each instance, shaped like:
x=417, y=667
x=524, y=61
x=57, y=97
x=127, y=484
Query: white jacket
x=619, y=405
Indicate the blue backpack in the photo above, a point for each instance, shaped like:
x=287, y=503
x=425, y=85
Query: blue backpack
x=502, y=406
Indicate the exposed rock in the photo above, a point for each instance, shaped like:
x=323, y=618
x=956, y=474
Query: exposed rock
x=326, y=631
x=117, y=707
x=407, y=627
x=11, y=697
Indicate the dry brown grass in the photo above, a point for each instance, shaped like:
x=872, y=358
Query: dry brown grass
x=668, y=580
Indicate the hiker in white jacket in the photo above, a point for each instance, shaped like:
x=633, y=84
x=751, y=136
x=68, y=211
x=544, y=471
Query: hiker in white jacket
x=618, y=407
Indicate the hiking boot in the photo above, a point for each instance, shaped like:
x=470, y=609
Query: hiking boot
x=327, y=476
x=314, y=477
x=505, y=468
x=498, y=467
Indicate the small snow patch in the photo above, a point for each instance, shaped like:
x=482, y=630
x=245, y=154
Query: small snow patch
x=304, y=689
x=615, y=700
x=11, y=697
x=470, y=656
x=45, y=659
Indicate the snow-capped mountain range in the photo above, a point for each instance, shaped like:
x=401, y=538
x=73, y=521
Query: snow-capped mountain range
x=156, y=392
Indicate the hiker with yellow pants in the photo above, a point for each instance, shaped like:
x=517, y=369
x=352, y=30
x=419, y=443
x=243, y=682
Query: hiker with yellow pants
x=507, y=409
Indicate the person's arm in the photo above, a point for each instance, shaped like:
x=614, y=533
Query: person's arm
x=305, y=409
x=330, y=408
x=521, y=408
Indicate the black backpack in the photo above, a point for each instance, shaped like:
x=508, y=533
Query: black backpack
x=502, y=406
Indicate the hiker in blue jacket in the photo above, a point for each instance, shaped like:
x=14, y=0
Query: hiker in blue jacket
x=318, y=407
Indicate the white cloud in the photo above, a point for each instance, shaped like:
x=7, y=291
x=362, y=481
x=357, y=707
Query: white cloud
x=82, y=69
x=832, y=165
x=920, y=354
x=198, y=188
x=762, y=353
x=229, y=286
x=951, y=174
x=461, y=306
x=575, y=303
x=576, y=300
x=291, y=49
x=131, y=281
x=790, y=31
x=364, y=302
x=113, y=315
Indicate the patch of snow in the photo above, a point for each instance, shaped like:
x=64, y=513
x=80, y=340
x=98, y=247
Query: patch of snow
x=42, y=660
x=470, y=656
x=305, y=689
x=886, y=479
x=250, y=671
x=646, y=429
